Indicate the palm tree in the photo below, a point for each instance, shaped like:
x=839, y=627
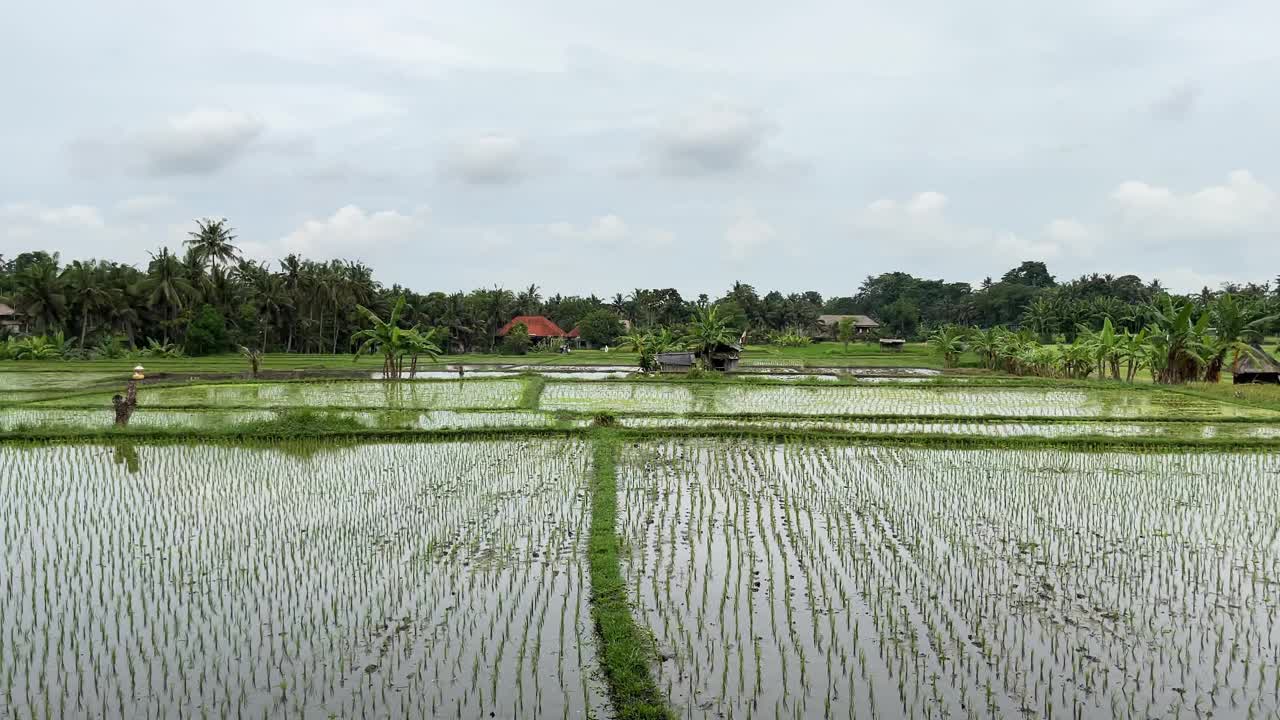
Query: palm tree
x=529, y=301
x=88, y=291
x=1043, y=316
x=38, y=293
x=166, y=287
x=213, y=242
x=706, y=333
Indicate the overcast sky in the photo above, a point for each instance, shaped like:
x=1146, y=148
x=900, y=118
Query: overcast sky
x=598, y=147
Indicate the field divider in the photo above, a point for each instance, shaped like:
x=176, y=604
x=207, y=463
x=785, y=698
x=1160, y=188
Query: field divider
x=626, y=651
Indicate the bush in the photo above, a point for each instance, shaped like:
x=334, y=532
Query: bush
x=517, y=340
x=600, y=327
x=207, y=333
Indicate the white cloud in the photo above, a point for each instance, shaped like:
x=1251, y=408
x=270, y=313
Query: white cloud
x=25, y=221
x=717, y=138
x=199, y=142
x=1244, y=205
x=492, y=159
x=747, y=233
x=608, y=230
x=920, y=228
x=140, y=205
x=351, y=233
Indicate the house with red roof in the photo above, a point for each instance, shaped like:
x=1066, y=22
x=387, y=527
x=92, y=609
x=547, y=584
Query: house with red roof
x=539, y=327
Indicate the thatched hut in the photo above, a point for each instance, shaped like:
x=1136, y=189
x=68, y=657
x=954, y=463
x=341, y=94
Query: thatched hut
x=675, y=361
x=1254, y=365
x=892, y=344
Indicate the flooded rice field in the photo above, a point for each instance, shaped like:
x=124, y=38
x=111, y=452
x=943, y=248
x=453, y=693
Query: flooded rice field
x=352, y=394
x=905, y=400
x=385, y=580
x=797, y=581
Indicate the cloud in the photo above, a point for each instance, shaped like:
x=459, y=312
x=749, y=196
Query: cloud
x=747, y=233
x=352, y=232
x=919, y=230
x=139, y=205
x=714, y=139
x=78, y=232
x=608, y=231
x=1243, y=206
x=1177, y=103
x=492, y=159
x=200, y=142
x=197, y=143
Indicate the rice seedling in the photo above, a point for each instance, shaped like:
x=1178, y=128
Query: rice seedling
x=403, y=580
x=802, y=580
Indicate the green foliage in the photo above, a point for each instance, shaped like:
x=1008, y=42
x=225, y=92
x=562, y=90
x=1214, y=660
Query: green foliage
x=207, y=333
x=791, y=337
x=846, y=331
x=949, y=342
x=601, y=327
x=517, y=340
x=626, y=651
x=707, y=332
x=393, y=342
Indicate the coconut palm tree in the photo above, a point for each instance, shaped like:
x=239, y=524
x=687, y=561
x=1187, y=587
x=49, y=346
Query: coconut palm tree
x=213, y=242
x=39, y=294
x=166, y=287
x=88, y=292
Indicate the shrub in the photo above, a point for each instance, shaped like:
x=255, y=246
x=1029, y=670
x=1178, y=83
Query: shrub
x=517, y=340
x=207, y=333
x=600, y=327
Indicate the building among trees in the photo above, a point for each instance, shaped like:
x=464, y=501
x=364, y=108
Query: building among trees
x=829, y=325
x=539, y=327
x=1254, y=365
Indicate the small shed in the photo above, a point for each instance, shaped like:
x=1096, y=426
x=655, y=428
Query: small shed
x=892, y=344
x=675, y=361
x=726, y=357
x=1254, y=365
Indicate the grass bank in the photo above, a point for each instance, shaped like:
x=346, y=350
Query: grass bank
x=626, y=651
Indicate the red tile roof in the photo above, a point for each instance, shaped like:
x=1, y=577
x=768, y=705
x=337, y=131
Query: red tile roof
x=538, y=326
x=575, y=332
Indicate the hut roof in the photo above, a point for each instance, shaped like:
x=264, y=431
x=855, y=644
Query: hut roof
x=576, y=332
x=7, y=311
x=538, y=326
x=859, y=321
x=1254, y=360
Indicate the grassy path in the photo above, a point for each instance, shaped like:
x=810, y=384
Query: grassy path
x=625, y=649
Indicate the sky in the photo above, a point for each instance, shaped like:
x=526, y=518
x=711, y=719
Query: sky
x=594, y=147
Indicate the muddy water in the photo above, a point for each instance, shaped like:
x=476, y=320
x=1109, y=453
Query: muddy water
x=793, y=581
x=437, y=580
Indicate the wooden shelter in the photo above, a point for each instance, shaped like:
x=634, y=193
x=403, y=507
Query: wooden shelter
x=829, y=325
x=1254, y=365
x=675, y=361
x=892, y=344
x=726, y=357
x=11, y=320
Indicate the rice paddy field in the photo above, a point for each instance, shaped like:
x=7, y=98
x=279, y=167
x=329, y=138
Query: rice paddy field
x=572, y=543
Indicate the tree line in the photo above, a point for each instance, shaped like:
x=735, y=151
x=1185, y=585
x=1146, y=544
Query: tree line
x=206, y=298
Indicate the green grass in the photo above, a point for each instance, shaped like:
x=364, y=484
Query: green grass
x=626, y=651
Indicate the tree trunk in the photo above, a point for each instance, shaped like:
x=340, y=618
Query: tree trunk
x=84, y=327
